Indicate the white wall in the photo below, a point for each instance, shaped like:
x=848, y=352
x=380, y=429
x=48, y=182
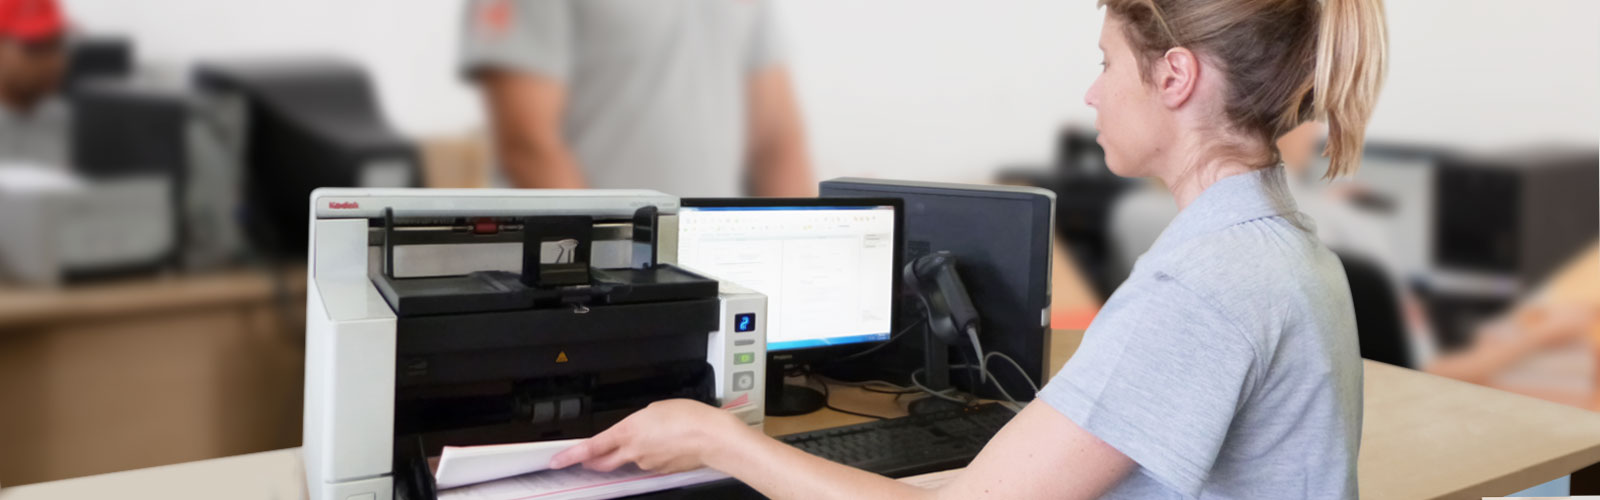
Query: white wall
x=1488, y=73
x=409, y=45
x=943, y=89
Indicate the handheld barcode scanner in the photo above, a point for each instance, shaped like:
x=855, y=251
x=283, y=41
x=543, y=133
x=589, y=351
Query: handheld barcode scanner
x=950, y=311
x=951, y=317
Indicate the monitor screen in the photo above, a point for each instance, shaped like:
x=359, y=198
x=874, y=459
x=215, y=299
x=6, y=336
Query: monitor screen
x=827, y=270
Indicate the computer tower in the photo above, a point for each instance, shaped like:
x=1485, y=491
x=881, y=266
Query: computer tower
x=1002, y=238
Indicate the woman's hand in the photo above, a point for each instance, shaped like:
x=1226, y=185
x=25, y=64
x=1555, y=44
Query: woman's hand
x=667, y=436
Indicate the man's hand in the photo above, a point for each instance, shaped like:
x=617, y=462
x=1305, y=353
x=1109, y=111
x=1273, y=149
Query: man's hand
x=667, y=436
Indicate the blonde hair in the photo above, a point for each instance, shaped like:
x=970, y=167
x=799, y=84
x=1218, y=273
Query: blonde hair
x=1286, y=61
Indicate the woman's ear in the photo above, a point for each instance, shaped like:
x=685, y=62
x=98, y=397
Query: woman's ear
x=1177, y=76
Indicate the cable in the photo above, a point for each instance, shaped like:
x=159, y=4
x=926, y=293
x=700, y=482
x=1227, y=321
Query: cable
x=897, y=393
x=940, y=394
x=1005, y=393
x=983, y=366
x=867, y=385
x=827, y=402
x=983, y=361
x=876, y=348
x=1018, y=366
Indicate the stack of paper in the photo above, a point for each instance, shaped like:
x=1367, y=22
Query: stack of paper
x=521, y=472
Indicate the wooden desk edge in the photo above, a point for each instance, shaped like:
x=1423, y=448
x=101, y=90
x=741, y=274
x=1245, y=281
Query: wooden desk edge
x=1537, y=474
x=28, y=308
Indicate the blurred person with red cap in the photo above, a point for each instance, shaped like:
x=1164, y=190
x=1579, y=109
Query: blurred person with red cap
x=33, y=121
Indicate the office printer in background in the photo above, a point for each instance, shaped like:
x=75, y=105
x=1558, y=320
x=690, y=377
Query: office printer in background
x=472, y=317
x=106, y=210
x=155, y=124
x=313, y=122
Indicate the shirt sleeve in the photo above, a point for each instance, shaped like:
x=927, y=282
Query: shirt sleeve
x=529, y=36
x=1159, y=376
x=766, y=43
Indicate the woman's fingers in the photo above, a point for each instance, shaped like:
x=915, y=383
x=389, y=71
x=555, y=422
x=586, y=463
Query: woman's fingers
x=608, y=462
x=602, y=444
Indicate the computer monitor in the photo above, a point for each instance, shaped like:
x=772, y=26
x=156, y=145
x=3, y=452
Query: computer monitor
x=1001, y=237
x=827, y=266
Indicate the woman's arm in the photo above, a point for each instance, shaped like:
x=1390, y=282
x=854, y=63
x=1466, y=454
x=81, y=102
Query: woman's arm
x=1040, y=453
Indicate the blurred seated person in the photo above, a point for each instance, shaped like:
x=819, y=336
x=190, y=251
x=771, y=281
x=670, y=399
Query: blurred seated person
x=688, y=97
x=34, y=127
x=1138, y=217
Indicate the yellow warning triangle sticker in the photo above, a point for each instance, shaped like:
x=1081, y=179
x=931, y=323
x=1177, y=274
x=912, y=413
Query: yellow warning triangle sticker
x=561, y=357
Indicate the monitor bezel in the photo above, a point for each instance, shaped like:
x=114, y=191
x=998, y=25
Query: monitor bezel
x=822, y=353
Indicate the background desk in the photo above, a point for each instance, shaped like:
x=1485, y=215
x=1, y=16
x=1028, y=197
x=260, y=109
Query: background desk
x=1424, y=437
x=137, y=373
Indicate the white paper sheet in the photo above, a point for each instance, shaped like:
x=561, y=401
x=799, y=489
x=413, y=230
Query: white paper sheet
x=521, y=472
x=577, y=483
x=464, y=465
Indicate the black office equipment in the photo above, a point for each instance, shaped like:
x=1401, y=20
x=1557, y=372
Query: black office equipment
x=1502, y=223
x=127, y=133
x=951, y=315
x=1001, y=235
x=1379, y=325
x=1517, y=214
x=908, y=446
x=951, y=320
x=120, y=128
x=1086, y=190
x=470, y=372
x=93, y=57
x=313, y=122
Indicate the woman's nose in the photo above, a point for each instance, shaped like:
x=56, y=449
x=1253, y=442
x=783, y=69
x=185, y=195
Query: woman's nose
x=1092, y=95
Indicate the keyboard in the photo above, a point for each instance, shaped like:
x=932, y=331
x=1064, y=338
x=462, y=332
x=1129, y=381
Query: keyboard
x=911, y=445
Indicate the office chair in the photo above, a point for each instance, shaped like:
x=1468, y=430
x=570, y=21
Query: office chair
x=1379, y=326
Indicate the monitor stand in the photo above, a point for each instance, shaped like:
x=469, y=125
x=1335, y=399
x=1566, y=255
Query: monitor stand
x=785, y=400
x=935, y=376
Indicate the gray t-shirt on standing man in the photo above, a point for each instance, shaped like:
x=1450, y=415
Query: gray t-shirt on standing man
x=1226, y=365
x=657, y=90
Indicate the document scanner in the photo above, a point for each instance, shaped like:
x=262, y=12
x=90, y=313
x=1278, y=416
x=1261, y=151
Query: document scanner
x=475, y=317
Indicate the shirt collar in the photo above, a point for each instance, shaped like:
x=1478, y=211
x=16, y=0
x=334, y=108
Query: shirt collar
x=1234, y=200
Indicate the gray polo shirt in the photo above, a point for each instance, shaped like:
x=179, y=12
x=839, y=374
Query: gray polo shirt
x=1226, y=365
x=656, y=89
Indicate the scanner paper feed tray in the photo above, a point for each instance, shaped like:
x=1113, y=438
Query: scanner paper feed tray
x=504, y=291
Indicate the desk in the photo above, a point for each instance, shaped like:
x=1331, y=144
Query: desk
x=1424, y=437
x=142, y=372
x=1062, y=344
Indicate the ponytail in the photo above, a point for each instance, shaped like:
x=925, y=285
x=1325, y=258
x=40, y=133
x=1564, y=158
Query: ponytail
x=1352, y=59
x=1285, y=61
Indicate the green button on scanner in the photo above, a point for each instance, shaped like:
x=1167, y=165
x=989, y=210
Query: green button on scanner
x=744, y=358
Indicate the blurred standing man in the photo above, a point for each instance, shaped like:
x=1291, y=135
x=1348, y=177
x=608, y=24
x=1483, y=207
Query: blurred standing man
x=689, y=97
x=33, y=123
